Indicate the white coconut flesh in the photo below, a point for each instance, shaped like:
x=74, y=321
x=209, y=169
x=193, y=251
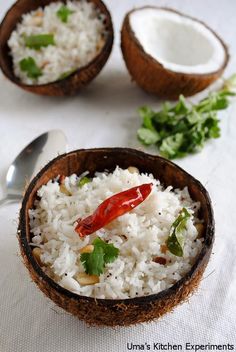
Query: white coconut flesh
x=179, y=43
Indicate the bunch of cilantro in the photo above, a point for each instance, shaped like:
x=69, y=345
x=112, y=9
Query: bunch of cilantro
x=184, y=128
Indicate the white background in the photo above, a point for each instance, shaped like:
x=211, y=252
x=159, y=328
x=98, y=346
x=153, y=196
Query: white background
x=104, y=114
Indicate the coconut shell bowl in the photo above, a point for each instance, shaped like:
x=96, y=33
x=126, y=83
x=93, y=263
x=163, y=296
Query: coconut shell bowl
x=168, y=53
x=73, y=82
x=115, y=312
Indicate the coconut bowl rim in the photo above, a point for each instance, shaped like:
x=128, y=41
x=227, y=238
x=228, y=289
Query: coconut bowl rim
x=199, y=260
x=126, y=23
x=107, y=47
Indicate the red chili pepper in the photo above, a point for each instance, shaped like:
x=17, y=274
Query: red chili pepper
x=112, y=208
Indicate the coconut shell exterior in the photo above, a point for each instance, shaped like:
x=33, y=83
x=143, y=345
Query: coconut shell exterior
x=74, y=82
x=123, y=312
x=150, y=75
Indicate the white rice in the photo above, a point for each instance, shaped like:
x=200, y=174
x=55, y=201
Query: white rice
x=146, y=228
x=77, y=42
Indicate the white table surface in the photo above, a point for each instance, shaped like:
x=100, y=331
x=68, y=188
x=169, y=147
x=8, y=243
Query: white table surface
x=104, y=114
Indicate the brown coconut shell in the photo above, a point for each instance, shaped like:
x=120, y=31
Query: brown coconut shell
x=113, y=312
x=76, y=80
x=150, y=75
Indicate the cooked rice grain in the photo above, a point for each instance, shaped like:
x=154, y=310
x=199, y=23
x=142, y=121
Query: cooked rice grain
x=139, y=235
x=77, y=42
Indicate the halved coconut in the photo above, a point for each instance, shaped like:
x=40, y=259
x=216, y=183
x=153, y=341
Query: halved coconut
x=114, y=312
x=168, y=53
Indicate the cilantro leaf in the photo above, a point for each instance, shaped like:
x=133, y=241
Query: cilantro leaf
x=145, y=111
x=83, y=181
x=103, y=253
x=181, y=107
x=110, y=252
x=93, y=262
x=170, y=146
x=63, y=13
x=29, y=66
x=175, y=241
x=38, y=41
x=184, y=128
x=230, y=84
x=147, y=136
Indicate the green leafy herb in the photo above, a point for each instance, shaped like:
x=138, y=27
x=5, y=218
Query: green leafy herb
x=63, y=13
x=175, y=241
x=230, y=84
x=83, y=181
x=148, y=136
x=67, y=73
x=184, y=128
x=39, y=40
x=29, y=66
x=103, y=253
x=93, y=262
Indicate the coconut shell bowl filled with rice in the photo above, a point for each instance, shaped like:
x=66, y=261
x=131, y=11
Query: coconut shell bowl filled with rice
x=55, y=47
x=115, y=236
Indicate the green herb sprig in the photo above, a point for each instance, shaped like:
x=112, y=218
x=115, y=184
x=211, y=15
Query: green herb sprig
x=184, y=128
x=83, y=181
x=103, y=253
x=39, y=40
x=63, y=13
x=66, y=74
x=175, y=241
x=29, y=66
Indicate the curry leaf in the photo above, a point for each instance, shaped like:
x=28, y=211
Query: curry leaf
x=38, y=41
x=175, y=241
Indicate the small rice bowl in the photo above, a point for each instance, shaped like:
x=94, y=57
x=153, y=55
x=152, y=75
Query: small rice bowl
x=77, y=41
x=139, y=235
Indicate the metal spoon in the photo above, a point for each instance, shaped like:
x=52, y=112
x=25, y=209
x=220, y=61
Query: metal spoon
x=32, y=158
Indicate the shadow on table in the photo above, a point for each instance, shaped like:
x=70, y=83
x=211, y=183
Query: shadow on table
x=112, y=89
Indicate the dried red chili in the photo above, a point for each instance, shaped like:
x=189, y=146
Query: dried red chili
x=112, y=208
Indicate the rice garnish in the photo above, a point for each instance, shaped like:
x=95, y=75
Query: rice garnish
x=140, y=235
x=76, y=32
